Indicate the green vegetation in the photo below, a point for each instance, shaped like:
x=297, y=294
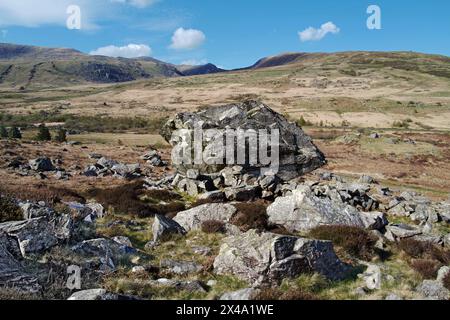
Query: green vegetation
x=3, y=132
x=43, y=133
x=14, y=133
x=9, y=211
x=85, y=123
x=355, y=241
x=61, y=135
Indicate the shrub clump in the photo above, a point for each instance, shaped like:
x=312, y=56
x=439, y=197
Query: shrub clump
x=43, y=133
x=424, y=250
x=251, y=216
x=213, y=226
x=428, y=269
x=9, y=210
x=123, y=199
x=355, y=241
x=425, y=257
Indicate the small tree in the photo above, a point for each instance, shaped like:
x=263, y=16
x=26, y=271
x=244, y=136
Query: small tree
x=14, y=133
x=3, y=132
x=61, y=135
x=43, y=133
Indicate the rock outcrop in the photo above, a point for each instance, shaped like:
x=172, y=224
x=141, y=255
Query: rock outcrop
x=297, y=153
x=303, y=211
x=269, y=257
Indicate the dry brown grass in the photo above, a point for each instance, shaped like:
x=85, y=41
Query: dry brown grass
x=355, y=241
x=271, y=294
x=428, y=269
x=213, y=226
x=251, y=216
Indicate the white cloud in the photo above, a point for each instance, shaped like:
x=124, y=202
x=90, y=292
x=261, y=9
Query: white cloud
x=129, y=51
x=312, y=34
x=187, y=39
x=137, y=3
x=194, y=62
x=32, y=13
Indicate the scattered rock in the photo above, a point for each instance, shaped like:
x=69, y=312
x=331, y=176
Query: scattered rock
x=98, y=294
x=303, y=211
x=163, y=227
x=433, y=290
x=192, y=219
x=180, y=267
x=42, y=165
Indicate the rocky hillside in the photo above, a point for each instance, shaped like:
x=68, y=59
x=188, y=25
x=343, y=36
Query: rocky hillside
x=349, y=63
x=141, y=229
x=198, y=70
x=31, y=67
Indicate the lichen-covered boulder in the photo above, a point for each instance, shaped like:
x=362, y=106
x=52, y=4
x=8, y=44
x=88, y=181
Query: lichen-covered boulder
x=267, y=257
x=297, y=153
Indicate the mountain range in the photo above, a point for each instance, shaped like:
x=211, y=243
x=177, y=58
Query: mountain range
x=26, y=67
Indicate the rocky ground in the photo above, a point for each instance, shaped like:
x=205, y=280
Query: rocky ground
x=140, y=228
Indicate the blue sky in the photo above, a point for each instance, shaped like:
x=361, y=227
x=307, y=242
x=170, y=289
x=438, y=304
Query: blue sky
x=231, y=33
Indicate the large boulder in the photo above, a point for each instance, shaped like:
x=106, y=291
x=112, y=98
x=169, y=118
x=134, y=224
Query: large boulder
x=297, y=153
x=269, y=257
x=12, y=274
x=303, y=211
x=193, y=219
x=38, y=234
x=42, y=164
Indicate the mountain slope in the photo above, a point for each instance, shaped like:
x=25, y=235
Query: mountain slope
x=199, y=70
x=28, y=66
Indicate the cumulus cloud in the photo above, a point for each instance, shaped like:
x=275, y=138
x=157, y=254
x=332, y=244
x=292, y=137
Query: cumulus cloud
x=186, y=39
x=129, y=51
x=313, y=34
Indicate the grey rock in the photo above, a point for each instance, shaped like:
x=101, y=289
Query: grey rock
x=125, y=241
x=98, y=294
x=201, y=250
x=181, y=267
x=303, y=211
x=365, y=179
x=243, y=194
x=434, y=290
x=401, y=231
x=42, y=164
x=188, y=186
x=192, y=219
x=241, y=295
x=214, y=196
x=108, y=251
x=192, y=174
x=38, y=234
x=372, y=277
x=268, y=257
x=374, y=220
x=32, y=210
x=298, y=154
x=163, y=227
x=12, y=273
x=442, y=273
